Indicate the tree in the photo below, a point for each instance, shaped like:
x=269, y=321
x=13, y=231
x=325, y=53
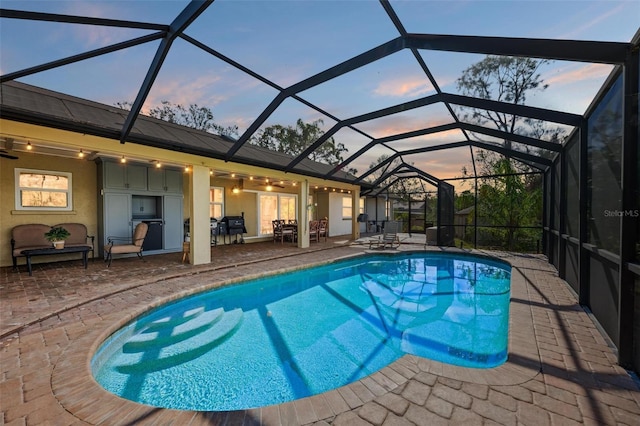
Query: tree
x=195, y=117
x=511, y=200
x=294, y=140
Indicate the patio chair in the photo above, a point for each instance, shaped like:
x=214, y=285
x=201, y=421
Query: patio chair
x=389, y=237
x=322, y=228
x=313, y=230
x=128, y=245
x=280, y=231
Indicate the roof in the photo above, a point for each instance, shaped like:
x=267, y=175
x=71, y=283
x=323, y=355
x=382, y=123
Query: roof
x=26, y=103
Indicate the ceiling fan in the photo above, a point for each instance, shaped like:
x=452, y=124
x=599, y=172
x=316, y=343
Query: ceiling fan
x=5, y=148
x=5, y=154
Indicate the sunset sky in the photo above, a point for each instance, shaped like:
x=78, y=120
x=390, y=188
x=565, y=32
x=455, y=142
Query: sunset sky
x=288, y=41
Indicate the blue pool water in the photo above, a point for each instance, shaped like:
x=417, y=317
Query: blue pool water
x=297, y=334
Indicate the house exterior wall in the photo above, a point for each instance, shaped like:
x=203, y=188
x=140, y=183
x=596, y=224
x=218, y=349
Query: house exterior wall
x=84, y=184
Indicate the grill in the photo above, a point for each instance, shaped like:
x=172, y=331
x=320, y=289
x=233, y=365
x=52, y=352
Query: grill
x=234, y=226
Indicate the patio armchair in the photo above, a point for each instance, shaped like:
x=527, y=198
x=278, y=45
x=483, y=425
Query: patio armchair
x=128, y=244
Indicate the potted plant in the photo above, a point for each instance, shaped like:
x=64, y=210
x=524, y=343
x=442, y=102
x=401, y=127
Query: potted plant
x=57, y=235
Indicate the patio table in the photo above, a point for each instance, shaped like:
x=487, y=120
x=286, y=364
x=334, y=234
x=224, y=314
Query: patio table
x=50, y=251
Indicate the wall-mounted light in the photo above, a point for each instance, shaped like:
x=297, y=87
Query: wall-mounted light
x=81, y=154
x=233, y=175
x=250, y=177
x=210, y=172
x=123, y=160
x=269, y=188
x=295, y=183
x=235, y=189
x=29, y=147
x=158, y=164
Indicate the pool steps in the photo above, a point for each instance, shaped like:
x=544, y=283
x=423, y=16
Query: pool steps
x=153, y=336
x=201, y=338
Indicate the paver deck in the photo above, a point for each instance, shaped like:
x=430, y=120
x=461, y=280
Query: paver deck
x=561, y=370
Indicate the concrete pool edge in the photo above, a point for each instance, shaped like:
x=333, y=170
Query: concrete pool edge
x=77, y=391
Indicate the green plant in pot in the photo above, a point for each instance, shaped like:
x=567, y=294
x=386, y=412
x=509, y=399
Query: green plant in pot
x=57, y=235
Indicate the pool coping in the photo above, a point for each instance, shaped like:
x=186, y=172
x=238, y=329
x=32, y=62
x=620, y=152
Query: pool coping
x=77, y=391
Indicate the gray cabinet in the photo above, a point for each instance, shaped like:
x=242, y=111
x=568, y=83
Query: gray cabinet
x=125, y=176
x=165, y=180
x=133, y=193
x=116, y=216
x=173, y=224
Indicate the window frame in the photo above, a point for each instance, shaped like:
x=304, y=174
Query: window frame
x=216, y=203
x=18, y=190
x=279, y=197
x=347, y=208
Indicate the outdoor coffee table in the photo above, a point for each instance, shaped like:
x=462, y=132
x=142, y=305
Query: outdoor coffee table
x=49, y=251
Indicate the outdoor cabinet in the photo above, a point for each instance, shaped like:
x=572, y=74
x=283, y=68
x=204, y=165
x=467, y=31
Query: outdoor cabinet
x=129, y=192
x=173, y=224
x=164, y=180
x=124, y=176
x=116, y=217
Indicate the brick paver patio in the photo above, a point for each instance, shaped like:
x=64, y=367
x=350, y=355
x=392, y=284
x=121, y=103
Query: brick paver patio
x=560, y=370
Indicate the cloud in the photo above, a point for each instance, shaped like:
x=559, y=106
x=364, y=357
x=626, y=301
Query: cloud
x=598, y=18
x=404, y=87
x=577, y=73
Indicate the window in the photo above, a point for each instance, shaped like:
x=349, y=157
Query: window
x=216, y=202
x=43, y=190
x=347, y=211
x=361, y=206
x=274, y=206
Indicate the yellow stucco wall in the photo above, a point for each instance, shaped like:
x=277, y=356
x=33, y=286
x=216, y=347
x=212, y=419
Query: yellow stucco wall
x=85, y=181
x=84, y=184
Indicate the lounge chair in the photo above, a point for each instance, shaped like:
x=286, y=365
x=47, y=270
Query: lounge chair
x=389, y=237
x=129, y=245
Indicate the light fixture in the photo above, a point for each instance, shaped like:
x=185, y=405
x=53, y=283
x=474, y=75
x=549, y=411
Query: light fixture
x=29, y=147
x=158, y=164
x=123, y=160
x=81, y=154
x=295, y=183
x=233, y=175
x=281, y=182
x=250, y=177
x=235, y=189
x=210, y=172
x=269, y=188
x=186, y=169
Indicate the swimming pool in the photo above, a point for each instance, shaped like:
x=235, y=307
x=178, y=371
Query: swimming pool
x=301, y=333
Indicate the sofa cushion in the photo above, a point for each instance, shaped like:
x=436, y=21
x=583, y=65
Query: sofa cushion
x=78, y=233
x=30, y=236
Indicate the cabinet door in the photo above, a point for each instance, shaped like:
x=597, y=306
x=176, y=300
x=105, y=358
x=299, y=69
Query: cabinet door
x=117, y=216
x=173, y=181
x=173, y=226
x=136, y=177
x=156, y=179
x=115, y=175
